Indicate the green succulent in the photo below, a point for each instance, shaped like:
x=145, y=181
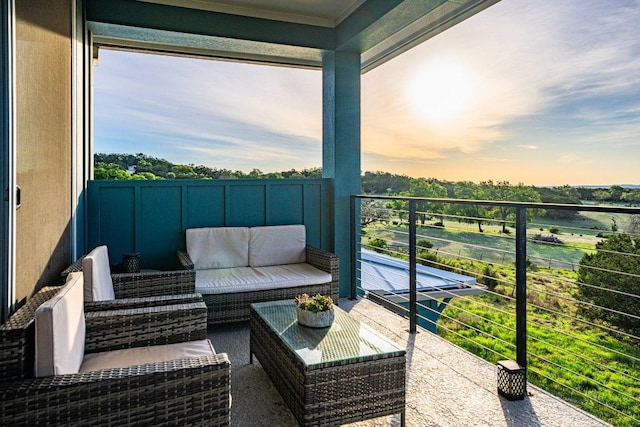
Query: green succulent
x=315, y=303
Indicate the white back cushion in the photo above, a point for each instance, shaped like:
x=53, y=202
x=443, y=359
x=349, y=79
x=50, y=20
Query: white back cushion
x=277, y=245
x=218, y=247
x=98, y=285
x=60, y=330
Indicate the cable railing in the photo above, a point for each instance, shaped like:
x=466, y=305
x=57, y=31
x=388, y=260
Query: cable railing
x=561, y=299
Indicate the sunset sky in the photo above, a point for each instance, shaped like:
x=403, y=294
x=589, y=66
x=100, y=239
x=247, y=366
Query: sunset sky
x=543, y=93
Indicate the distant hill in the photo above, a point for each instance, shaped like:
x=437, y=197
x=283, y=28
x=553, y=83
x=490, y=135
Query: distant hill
x=142, y=166
x=627, y=186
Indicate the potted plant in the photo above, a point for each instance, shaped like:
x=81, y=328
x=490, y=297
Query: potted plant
x=316, y=311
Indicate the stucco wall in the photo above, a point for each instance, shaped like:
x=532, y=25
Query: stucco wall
x=43, y=132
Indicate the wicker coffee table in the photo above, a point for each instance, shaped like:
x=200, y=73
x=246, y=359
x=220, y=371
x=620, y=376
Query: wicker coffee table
x=330, y=376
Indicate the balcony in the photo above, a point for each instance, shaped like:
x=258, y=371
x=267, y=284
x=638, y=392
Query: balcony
x=446, y=385
x=543, y=305
x=515, y=300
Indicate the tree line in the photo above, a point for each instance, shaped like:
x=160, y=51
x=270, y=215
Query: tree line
x=613, y=253
x=142, y=166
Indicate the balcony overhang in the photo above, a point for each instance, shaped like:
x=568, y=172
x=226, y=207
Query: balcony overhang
x=296, y=33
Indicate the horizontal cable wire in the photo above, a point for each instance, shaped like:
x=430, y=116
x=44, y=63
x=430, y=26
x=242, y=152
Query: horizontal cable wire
x=475, y=254
x=585, y=359
x=596, y=326
x=471, y=340
x=576, y=282
x=586, y=396
x=425, y=293
x=607, y=270
x=464, y=324
x=592, y=380
x=583, y=303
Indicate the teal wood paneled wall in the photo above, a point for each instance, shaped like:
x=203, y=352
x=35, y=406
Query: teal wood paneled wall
x=151, y=217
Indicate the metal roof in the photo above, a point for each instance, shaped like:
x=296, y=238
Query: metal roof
x=389, y=277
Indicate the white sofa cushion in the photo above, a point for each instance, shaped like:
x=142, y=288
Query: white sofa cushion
x=277, y=245
x=218, y=247
x=60, y=330
x=143, y=355
x=98, y=285
x=255, y=279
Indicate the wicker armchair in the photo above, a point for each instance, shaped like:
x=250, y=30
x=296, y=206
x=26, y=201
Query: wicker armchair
x=184, y=391
x=144, y=289
x=17, y=337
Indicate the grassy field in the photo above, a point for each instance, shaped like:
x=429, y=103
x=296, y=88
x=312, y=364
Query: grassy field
x=461, y=240
x=580, y=362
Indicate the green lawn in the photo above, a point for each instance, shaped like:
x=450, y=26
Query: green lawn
x=579, y=362
x=463, y=240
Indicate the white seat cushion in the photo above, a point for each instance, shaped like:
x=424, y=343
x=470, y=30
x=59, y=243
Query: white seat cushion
x=98, y=285
x=254, y=279
x=143, y=355
x=218, y=247
x=277, y=245
x=60, y=330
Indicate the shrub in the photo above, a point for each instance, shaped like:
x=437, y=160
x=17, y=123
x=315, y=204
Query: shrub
x=489, y=275
x=424, y=244
x=430, y=259
x=609, y=293
x=379, y=245
x=554, y=230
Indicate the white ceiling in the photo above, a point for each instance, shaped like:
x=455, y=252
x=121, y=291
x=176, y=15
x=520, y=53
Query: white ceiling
x=326, y=13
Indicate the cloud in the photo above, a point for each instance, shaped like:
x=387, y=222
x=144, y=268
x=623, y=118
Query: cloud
x=223, y=113
x=530, y=60
x=547, y=80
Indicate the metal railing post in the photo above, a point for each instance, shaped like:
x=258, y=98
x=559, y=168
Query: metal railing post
x=521, y=288
x=413, y=314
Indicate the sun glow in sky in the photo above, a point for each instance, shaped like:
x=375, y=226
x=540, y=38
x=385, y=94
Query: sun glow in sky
x=441, y=90
x=543, y=93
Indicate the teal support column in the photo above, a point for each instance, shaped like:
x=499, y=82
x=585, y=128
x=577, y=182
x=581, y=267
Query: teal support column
x=341, y=148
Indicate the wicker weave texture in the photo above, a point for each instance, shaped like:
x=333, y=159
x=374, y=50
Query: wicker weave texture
x=126, y=303
x=144, y=284
x=140, y=327
x=153, y=283
x=189, y=392
x=185, y=392
x=235, y=307
x=333, y=393
x=17, y=338
x=224, y=308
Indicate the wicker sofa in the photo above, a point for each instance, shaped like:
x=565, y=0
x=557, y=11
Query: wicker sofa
x=238, y=266
x=148, y=366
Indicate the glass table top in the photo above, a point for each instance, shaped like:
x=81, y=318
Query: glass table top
x=346, y=338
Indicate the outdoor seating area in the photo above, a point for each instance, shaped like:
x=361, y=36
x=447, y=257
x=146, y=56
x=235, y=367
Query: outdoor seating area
x=237, y=266
x=156, y=365
x=148, y=365
x=328, y=376
x=445, y=385
x=106, y=290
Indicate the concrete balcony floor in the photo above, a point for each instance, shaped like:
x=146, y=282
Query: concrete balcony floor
x=446, y=385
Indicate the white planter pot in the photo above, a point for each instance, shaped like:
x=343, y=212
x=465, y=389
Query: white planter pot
x=322, y=319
